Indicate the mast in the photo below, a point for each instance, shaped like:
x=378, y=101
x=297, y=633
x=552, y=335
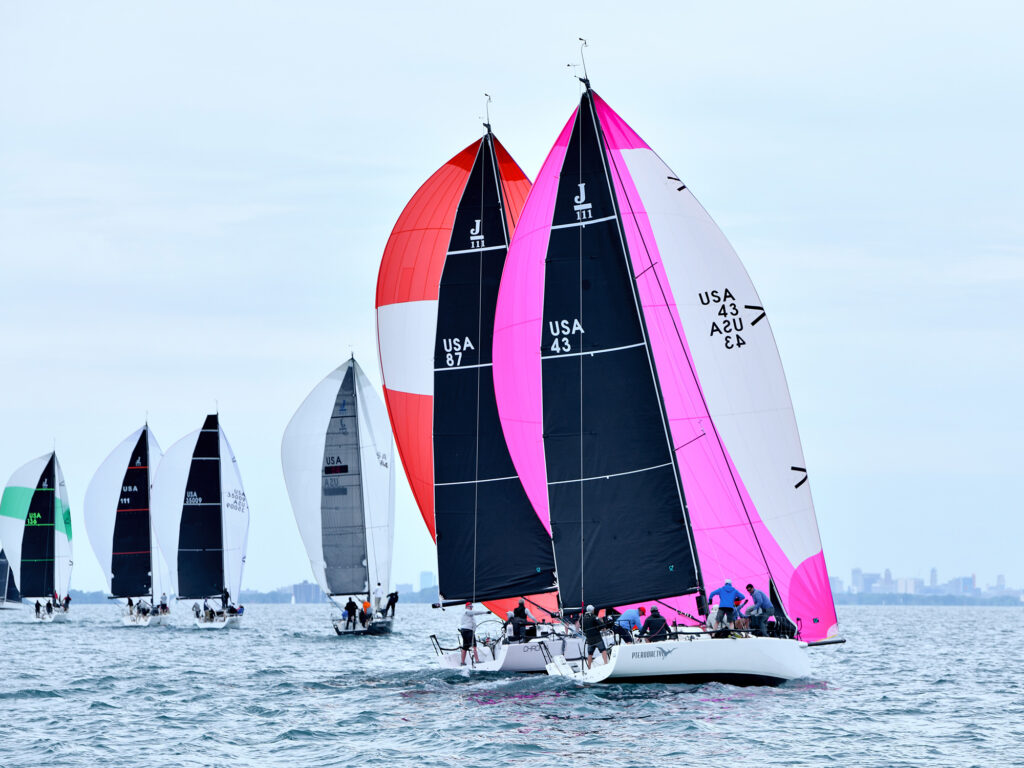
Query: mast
x=149, y=516
x=220, y=518
x=359, y=463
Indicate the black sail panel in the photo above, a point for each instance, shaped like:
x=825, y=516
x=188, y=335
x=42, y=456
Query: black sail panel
x=490, y=542
x=7, y=578
x=343, y=527
x=201, y=537
x=37, y=543
x=132, y=556
x=617, y=512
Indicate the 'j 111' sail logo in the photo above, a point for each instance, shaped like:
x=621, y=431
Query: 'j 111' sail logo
x=582, y=207
x=476, y=236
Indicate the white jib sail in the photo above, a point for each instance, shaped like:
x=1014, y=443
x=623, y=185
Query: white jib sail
x=234, y=510
x=376, y=456
x=63, y=557
x=166, y=500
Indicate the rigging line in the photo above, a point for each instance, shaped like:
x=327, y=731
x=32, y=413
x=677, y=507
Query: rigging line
x=479, y=322
x=689, y=363
x=580, y=361
x=650, y=359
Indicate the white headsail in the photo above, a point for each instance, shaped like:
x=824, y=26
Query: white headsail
x=337, y=459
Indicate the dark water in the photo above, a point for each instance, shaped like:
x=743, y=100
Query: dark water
x=913, y=687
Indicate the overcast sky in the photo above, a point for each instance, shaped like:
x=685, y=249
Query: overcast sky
x=194, y=199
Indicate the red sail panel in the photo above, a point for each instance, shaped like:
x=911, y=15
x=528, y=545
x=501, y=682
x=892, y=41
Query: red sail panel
x=515, y=186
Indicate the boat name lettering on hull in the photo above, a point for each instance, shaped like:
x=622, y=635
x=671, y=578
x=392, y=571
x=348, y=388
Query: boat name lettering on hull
x=656, y=653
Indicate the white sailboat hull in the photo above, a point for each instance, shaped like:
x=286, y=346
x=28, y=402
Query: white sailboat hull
x=528, y=657
x=59, y=616
x=741, y=660
x=152, y=620
x=218, y=622
x=378, y=626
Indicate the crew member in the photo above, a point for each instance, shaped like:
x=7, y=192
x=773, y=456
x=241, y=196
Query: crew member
x=655, y=628
x=592, y=633
x=467, y=628
x=727, y=595
x=350, y=618
x=392, y=602
x=762, y=609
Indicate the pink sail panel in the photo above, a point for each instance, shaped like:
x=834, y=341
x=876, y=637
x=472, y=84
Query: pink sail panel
x=732, y=539
x=518, y=328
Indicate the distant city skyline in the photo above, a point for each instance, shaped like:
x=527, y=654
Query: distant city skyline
x=883, y=582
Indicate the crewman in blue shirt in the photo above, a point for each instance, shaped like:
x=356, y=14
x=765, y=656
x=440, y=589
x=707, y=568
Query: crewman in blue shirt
x=632, y=618
x=762, y=609
x=727, y=597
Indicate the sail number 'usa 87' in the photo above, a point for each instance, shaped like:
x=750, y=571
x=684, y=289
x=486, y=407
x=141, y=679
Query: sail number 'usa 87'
x=454, y=348
x=562, y=332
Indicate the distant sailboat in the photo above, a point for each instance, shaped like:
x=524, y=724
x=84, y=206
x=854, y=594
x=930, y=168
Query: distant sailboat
x=644, y=403
x=436, y=292
x=118, y=519
x=10, y=597
x=338, y=466
x=201, y=519
x=35, y=528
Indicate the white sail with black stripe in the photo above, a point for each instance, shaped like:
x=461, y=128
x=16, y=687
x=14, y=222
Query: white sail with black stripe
x=118, y=517
x=201, y=514
x=336, y=457
x=35, y=528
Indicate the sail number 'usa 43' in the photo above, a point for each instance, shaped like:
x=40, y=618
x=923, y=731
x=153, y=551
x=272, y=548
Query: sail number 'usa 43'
x=563, y=332
x=728, y=320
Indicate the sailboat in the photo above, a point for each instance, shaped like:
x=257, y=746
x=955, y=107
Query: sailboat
x=201, y=520
x=117, y=517
x=337, y=460
x=35, y=528
x=436, y=292
x=644, y=403
x=10, y=597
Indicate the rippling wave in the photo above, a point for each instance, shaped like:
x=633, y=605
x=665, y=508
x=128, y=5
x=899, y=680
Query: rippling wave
x=913, y=687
